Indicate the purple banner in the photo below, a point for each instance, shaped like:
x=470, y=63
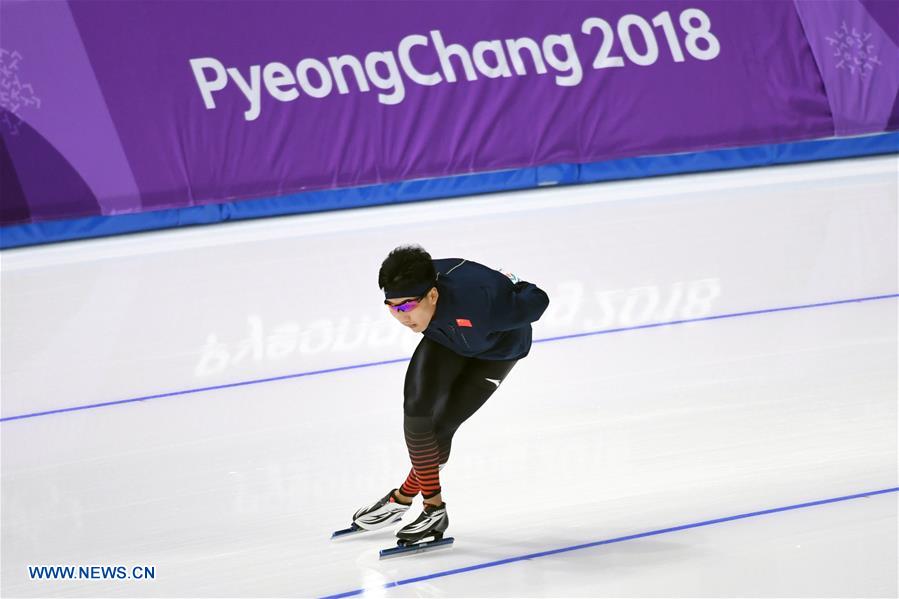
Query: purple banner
x=122, y=107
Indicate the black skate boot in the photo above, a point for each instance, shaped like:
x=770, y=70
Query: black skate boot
x=425, y=534
x=429, y=526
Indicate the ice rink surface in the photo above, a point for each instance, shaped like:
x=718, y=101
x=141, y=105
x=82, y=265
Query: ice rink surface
x=214, y=402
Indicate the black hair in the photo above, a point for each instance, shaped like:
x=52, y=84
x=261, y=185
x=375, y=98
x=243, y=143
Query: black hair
x=407, y=266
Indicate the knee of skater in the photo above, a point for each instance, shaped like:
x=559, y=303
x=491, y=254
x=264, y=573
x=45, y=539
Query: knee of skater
x=418, y=424
x=416, y=409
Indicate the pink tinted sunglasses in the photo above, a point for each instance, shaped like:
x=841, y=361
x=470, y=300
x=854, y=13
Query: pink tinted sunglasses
x=406, y=306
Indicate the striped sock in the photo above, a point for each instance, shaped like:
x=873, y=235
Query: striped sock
x=410, y=486
x=424, y=453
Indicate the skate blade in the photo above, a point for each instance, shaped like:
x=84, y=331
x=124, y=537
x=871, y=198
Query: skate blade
x=347, y=532
x=355, y=529
x=401, y=550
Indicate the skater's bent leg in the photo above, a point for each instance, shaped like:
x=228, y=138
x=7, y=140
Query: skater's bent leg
x=429, y=378
x=478, y=381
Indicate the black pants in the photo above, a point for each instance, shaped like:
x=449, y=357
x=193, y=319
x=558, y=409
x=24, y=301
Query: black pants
x=443, y=389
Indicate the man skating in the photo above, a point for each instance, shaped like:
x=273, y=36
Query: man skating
x=476, y=324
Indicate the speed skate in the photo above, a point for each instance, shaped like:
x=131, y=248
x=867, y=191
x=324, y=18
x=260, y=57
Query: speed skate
x=382, y=513
x=425, y=533
x=402, y=547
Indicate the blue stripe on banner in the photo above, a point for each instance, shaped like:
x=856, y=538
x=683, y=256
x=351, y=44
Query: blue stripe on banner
x=641, y=535
x=398, y=360
x=446, y=187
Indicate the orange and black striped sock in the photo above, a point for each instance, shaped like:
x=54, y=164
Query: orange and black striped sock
x=410, y=486
x=425, y=455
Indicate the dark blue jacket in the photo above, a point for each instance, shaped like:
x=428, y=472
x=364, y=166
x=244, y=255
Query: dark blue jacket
x=482, y=313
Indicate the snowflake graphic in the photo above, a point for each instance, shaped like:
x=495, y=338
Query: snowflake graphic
x=14, y=95
x=853, y=51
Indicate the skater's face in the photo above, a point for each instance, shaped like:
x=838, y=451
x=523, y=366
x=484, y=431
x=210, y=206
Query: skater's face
x=414, y=312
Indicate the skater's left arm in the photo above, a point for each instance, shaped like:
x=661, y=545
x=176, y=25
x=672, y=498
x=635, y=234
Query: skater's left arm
x=516, y=306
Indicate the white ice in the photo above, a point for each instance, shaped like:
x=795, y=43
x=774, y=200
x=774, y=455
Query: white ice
x=235, y=491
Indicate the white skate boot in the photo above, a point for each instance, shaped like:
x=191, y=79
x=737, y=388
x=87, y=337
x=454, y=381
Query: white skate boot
x=381, y=513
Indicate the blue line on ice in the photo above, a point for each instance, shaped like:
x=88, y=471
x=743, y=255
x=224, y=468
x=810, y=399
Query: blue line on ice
x=529, y=556
x=398, y=360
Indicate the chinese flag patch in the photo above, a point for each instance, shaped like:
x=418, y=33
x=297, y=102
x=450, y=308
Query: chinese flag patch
x=463, y=322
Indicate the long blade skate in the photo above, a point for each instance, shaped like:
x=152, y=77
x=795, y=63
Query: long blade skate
x=378, y=516
x=403, y=548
